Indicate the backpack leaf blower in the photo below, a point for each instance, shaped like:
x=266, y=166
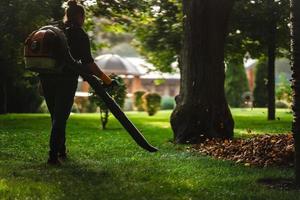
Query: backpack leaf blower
x=47, y=51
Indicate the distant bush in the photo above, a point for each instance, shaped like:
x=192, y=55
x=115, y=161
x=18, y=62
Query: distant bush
x=151, y=103
x=260, y=92
x=282, y=104
x=85, y=105
x=43, y=107
x=236, y=83
x=167, y=103
x=90, y=107
x=137, y=100
x=75, y=108
x=284, y=90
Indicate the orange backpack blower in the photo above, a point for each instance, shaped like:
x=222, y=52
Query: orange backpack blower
x=44, y=50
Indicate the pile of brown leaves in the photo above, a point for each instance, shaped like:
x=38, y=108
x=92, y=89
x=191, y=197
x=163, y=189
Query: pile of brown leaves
x=262, y=150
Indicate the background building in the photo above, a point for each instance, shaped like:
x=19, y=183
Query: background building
x=138, y=75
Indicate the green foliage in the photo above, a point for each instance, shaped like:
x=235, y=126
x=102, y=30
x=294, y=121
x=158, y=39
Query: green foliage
x=18, y=19
x=90, y=25
x=249, y=29
x=75, y=108
x=43, y=107
x=89, y=107
x=160, y=36
x=151, y=103
x=158, y=82
x=284, y=90
x=138, y=102
x=167, y=103
x=118, y=93
x=85, y=105
x=260, y=93
x=23, y=95
x=236, y=84
x=156, y=25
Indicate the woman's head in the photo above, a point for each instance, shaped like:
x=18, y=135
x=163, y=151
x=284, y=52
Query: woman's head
x=74, y=13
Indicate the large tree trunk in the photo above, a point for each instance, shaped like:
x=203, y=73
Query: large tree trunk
x=3, y=87
x=202, y=110
x=271, y=61
x=295, y=45
x=3, y=97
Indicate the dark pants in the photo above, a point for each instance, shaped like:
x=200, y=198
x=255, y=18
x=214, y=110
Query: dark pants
x=59, y=94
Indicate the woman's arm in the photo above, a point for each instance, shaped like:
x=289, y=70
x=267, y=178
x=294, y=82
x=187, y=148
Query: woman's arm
x=95, y=70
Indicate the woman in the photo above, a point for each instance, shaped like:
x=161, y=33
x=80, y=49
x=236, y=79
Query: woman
x=59, y=89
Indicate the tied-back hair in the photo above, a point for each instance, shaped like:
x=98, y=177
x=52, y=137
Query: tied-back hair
x=72, y=11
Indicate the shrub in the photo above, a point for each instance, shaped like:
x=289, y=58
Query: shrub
x=90, y=107
x=167, y=103
x=23, y=95
x=260, y=92
x=118, y=93
x=281, y=104
x=236, y=83
x=284, y=90
x=137, y=100
x=85, y=105
x=43, y=107
x=151, y=103
x=75, y=108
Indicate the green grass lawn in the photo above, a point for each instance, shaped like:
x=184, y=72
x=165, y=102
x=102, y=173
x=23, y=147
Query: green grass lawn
x=109, y=165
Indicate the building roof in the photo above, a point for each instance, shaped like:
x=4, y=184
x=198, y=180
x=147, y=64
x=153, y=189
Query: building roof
x=113, y=63
x=148, y=70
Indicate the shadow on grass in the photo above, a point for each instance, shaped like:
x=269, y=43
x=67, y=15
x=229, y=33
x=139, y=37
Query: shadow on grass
x=69, y=181
x=279, y=183
x=74, y=180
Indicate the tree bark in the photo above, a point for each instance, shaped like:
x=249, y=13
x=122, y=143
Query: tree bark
x=295, y=48
x=271, y=61
x=201, y=108
x=3, y=97
x=271, y=77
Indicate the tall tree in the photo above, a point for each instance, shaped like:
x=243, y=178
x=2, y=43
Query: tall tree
x=295, y=47
x=202, y=110
x=263, y=26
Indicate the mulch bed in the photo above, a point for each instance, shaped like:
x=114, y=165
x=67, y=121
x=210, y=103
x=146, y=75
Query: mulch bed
x=261, y=150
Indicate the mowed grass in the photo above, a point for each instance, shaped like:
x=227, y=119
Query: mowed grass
x=254, y=121
x=109, y=165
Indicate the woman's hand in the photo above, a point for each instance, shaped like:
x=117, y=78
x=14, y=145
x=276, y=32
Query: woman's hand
x=95, y=70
